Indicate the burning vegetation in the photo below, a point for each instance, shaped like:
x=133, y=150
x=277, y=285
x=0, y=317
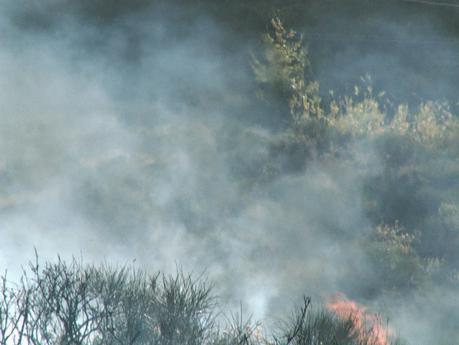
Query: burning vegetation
x=63, y=304
x=367, y=326
x=249, y=169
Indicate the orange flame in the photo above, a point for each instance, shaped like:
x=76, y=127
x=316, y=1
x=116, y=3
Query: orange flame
x=367, y=326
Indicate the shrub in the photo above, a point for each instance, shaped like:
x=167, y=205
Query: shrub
x=396, y=266
x=284, y=74
x=72, y=304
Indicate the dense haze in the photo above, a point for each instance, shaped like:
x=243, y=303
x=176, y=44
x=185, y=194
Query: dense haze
x=130, y=132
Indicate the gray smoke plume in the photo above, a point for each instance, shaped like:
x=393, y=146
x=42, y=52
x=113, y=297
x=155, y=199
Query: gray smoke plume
x=124, y=134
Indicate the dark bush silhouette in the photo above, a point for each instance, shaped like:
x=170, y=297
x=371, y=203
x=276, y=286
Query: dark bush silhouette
x=72, y=304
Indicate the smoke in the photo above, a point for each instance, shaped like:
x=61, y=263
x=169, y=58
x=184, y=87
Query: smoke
x=126, y=135
x=110, y=153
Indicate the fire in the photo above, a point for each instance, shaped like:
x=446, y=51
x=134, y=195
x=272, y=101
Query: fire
x=367, y=326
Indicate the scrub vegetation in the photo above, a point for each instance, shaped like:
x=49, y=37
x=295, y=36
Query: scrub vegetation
x=238, y=162
x=70, y=303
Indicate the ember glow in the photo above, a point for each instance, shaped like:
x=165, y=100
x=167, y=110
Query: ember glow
x=368, y=326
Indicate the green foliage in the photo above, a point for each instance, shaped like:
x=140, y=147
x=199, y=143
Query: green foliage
x=284, y=73
x=397, y=267
x=411, y=191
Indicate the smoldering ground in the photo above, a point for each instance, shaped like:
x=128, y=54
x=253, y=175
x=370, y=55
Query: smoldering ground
x=128, y=135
